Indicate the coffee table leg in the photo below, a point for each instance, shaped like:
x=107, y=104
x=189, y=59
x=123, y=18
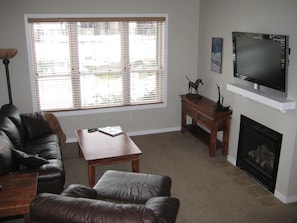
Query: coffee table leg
x=79, y=151
x=135, y=166
x=26, y=217
x=91, y=171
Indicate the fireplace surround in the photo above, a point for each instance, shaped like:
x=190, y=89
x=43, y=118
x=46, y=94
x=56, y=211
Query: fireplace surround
x=259, y=151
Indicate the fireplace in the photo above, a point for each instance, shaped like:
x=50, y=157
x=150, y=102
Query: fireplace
x=258, y=151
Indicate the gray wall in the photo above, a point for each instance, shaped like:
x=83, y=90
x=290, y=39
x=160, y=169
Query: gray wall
x=218, y=18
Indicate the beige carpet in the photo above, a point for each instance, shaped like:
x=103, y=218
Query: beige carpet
x=211, y=190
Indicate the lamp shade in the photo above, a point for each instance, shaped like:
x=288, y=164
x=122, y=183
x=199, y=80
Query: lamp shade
x=6, y=54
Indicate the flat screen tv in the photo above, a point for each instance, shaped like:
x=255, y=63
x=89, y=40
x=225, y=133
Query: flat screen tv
x=262, y=61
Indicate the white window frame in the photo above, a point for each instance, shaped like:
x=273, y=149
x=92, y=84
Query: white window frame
x=97, y=110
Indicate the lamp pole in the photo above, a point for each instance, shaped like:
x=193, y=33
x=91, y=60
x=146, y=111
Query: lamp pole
x=5, y=55
x=6, y=62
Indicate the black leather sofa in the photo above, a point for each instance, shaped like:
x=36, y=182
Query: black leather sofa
x=116, y=198
x=29, y=143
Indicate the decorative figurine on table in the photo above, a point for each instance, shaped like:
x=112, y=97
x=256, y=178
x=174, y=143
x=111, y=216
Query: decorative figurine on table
x=219, y=105
x=194, y=86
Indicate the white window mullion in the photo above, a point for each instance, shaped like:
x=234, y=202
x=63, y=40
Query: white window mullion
x=74, y=63
x=125, y=60
x=35, y=75
x=160, y=60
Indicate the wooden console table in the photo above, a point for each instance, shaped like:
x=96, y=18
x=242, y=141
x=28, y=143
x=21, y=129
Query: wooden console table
x=202, y=111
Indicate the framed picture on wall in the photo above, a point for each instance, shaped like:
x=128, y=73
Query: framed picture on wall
x=216, y=54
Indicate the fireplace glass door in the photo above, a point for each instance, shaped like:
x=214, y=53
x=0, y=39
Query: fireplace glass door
x=258, y=151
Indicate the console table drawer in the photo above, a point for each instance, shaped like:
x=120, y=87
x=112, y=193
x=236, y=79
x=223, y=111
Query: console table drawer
x=203, y=120
x=191, y=112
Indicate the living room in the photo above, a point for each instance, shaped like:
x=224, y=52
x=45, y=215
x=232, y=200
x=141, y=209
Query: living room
x=191, y=26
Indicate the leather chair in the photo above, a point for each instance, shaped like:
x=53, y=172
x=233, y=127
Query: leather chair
x=117, y=197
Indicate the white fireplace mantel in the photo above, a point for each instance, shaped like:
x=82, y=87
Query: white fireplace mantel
x=280, y=104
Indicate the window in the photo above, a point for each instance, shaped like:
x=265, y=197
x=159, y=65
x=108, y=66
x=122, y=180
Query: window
x=94, y=62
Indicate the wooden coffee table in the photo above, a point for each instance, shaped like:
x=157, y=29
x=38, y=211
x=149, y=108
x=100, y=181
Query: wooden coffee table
x=17, y=193
x=101, y=149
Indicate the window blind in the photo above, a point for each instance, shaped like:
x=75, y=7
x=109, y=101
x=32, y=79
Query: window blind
x=83, y=63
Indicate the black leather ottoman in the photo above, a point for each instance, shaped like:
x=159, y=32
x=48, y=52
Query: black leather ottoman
x=130, y=187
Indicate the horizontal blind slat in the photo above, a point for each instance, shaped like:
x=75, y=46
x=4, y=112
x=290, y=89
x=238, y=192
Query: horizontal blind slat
x=96, y=19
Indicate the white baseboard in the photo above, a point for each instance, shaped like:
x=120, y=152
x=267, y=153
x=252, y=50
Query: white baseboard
x=70, y=140
x=136, y=133
x=153, y=131
x=231, y=160
x=285, y=199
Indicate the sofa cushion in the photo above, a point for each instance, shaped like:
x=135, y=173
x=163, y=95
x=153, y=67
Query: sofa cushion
x=53, y=170
x=5, y=155
x=49, y=150
x=126, y=187
x=35, y=125
x=28, y=159
x=11, y=130
x=14, y=114
x=48, y=138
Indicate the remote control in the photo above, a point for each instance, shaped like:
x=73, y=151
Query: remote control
x=92, y=130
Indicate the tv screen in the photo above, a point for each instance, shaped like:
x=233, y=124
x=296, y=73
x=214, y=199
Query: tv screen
x=261, y=59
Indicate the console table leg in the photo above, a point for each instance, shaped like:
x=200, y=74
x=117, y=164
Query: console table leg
x=213, y=143
x=183, y=121
x=226, y=138
x=79, y=151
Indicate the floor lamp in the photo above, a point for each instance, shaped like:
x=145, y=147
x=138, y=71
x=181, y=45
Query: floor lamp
x=5, y=55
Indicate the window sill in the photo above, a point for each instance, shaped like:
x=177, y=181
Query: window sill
x=108, y=110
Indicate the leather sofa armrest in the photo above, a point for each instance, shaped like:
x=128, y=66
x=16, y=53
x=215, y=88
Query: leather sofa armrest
x=6, y=156
x=49, y=208
x=55, y=126
x=165, y=208
x=77, y=190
